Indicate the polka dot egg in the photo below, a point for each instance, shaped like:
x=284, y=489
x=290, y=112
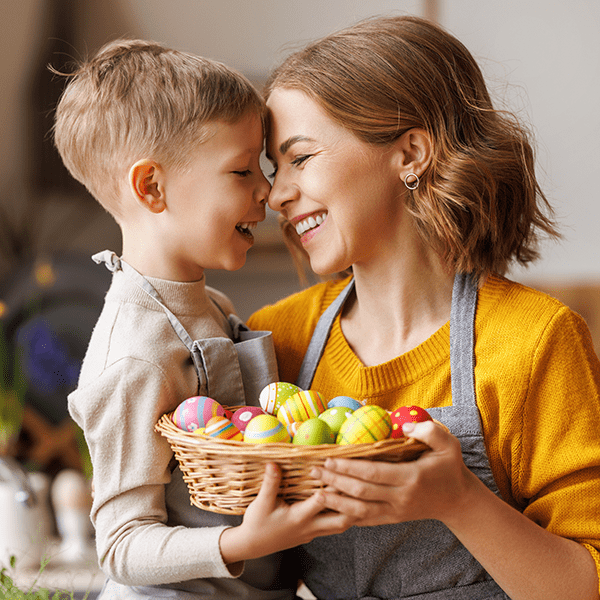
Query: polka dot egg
x=223, y=428
x=301, y=407
x=407, y=414
x=366, y=425
x=275, y=394
x=196, y=412
x=335, y=417
x=242, y=416
x=265, y=429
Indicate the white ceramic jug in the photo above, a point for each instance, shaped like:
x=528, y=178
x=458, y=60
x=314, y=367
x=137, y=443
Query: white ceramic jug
x=25, y=517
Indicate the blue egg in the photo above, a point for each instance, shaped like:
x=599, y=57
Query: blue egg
x=346, y=401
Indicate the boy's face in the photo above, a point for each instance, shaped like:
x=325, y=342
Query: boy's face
x=216, y=202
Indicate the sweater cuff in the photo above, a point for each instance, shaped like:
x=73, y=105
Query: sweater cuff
x=234, y=570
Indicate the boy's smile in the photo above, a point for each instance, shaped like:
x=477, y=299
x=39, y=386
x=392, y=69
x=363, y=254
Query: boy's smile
x=215, y=203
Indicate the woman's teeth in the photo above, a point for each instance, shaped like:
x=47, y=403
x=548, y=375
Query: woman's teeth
x=310, y=223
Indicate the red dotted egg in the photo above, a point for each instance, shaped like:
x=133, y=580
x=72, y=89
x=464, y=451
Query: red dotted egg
x=407, y=414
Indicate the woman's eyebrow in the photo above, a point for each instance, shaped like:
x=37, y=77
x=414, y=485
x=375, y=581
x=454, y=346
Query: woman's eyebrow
x=285, y=146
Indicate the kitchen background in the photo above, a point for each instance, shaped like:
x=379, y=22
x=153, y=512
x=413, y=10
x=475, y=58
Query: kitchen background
x=541, y=58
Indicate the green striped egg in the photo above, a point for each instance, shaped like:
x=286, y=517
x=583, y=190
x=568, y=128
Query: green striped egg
x=301, y=407
x=366, y=425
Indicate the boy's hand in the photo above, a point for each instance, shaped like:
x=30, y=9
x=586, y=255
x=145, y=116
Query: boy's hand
x=270, y=524
x=435, y=486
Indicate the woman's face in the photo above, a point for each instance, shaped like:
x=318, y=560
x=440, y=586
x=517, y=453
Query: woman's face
x=343, y=196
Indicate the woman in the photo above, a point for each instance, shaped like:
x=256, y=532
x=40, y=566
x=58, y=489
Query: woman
x=391, y=161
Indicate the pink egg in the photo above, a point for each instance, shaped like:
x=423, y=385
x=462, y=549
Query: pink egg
x=196, y=412
x=223, y=428
x=242, y=416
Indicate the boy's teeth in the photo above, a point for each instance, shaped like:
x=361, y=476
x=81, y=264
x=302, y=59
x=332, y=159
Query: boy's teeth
x=309, y=223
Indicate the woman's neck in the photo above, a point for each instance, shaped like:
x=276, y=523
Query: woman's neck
x=396, y=307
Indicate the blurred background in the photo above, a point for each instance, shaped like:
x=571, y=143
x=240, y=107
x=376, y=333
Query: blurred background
x=541, y=59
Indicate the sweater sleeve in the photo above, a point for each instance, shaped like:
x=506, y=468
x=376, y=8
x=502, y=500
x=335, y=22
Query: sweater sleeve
x=557, y=475
x=118, y=411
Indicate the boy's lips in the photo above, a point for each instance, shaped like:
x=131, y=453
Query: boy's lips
x=245, y=229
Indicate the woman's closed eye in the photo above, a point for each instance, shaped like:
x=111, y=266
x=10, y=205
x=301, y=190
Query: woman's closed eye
x=300, y=159
x=244, y=173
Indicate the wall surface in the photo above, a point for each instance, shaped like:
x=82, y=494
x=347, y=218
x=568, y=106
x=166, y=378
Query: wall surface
x=542, y=58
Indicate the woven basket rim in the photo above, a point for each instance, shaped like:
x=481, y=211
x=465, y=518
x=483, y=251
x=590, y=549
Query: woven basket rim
x=201, y=441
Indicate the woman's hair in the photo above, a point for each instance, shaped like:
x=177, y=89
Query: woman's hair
x=478, y=204
x=138, y=99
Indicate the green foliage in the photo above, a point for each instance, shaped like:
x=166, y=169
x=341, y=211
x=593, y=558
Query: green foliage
x=9, y=591
x=12, y=391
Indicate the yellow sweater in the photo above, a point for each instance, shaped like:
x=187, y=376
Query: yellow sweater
x=537, y=382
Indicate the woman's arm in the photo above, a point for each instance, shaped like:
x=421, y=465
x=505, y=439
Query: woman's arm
x=527, y=561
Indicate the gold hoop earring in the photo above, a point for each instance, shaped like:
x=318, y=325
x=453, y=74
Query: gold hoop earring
x=413, y=184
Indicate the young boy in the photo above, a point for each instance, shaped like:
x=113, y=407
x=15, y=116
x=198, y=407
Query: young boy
x=169, y=144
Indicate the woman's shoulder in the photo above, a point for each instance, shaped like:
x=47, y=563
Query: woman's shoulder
x=514, y=310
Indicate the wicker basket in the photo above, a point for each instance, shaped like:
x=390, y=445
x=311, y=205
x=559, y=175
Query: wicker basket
x=224, y=476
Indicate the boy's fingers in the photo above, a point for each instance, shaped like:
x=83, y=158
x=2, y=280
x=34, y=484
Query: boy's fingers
x=270, y=485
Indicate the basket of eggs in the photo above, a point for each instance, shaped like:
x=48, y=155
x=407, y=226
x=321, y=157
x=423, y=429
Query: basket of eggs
x=223, y=450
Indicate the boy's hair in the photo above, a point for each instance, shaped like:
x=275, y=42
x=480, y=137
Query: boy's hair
x=137, y=99
x=478, y=203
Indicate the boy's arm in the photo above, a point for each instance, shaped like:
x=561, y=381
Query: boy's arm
x=117, y=412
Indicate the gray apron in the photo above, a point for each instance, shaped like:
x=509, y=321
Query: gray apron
x=421, y=560
x=233, y=372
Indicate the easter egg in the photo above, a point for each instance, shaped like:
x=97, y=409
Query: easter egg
x=199, y=431
x=346, y=401
x=407, y=414
x=242, y=416
x=335, y=417
x=301, y=407
x=313, y=432
x=292, y=428
x=275, y=394
x=366, y=425
x=196, y=412
x=223, y=428
x=265, y=429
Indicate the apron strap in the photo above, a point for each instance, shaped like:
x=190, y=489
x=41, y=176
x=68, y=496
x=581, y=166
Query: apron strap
x=319, y=338
x=114, y=263
x=462, y=339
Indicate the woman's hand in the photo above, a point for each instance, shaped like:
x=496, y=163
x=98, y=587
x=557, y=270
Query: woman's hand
x=270, y=524
x=432, y=487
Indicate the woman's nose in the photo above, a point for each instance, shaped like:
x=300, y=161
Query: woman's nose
x=279, y=195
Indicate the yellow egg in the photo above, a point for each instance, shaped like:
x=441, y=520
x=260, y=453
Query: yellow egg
x=265, y=429
x=301, y=407
x=366, y=425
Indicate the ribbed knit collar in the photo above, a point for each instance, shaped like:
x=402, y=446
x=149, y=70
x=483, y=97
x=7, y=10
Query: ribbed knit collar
x=408, y=367
x=182, y=298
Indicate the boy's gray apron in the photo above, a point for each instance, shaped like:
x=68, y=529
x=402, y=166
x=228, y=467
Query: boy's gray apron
x=233, y=372
x=421, y=560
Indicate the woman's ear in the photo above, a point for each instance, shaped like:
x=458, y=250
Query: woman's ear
x=415, y=150
x=145, y=182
